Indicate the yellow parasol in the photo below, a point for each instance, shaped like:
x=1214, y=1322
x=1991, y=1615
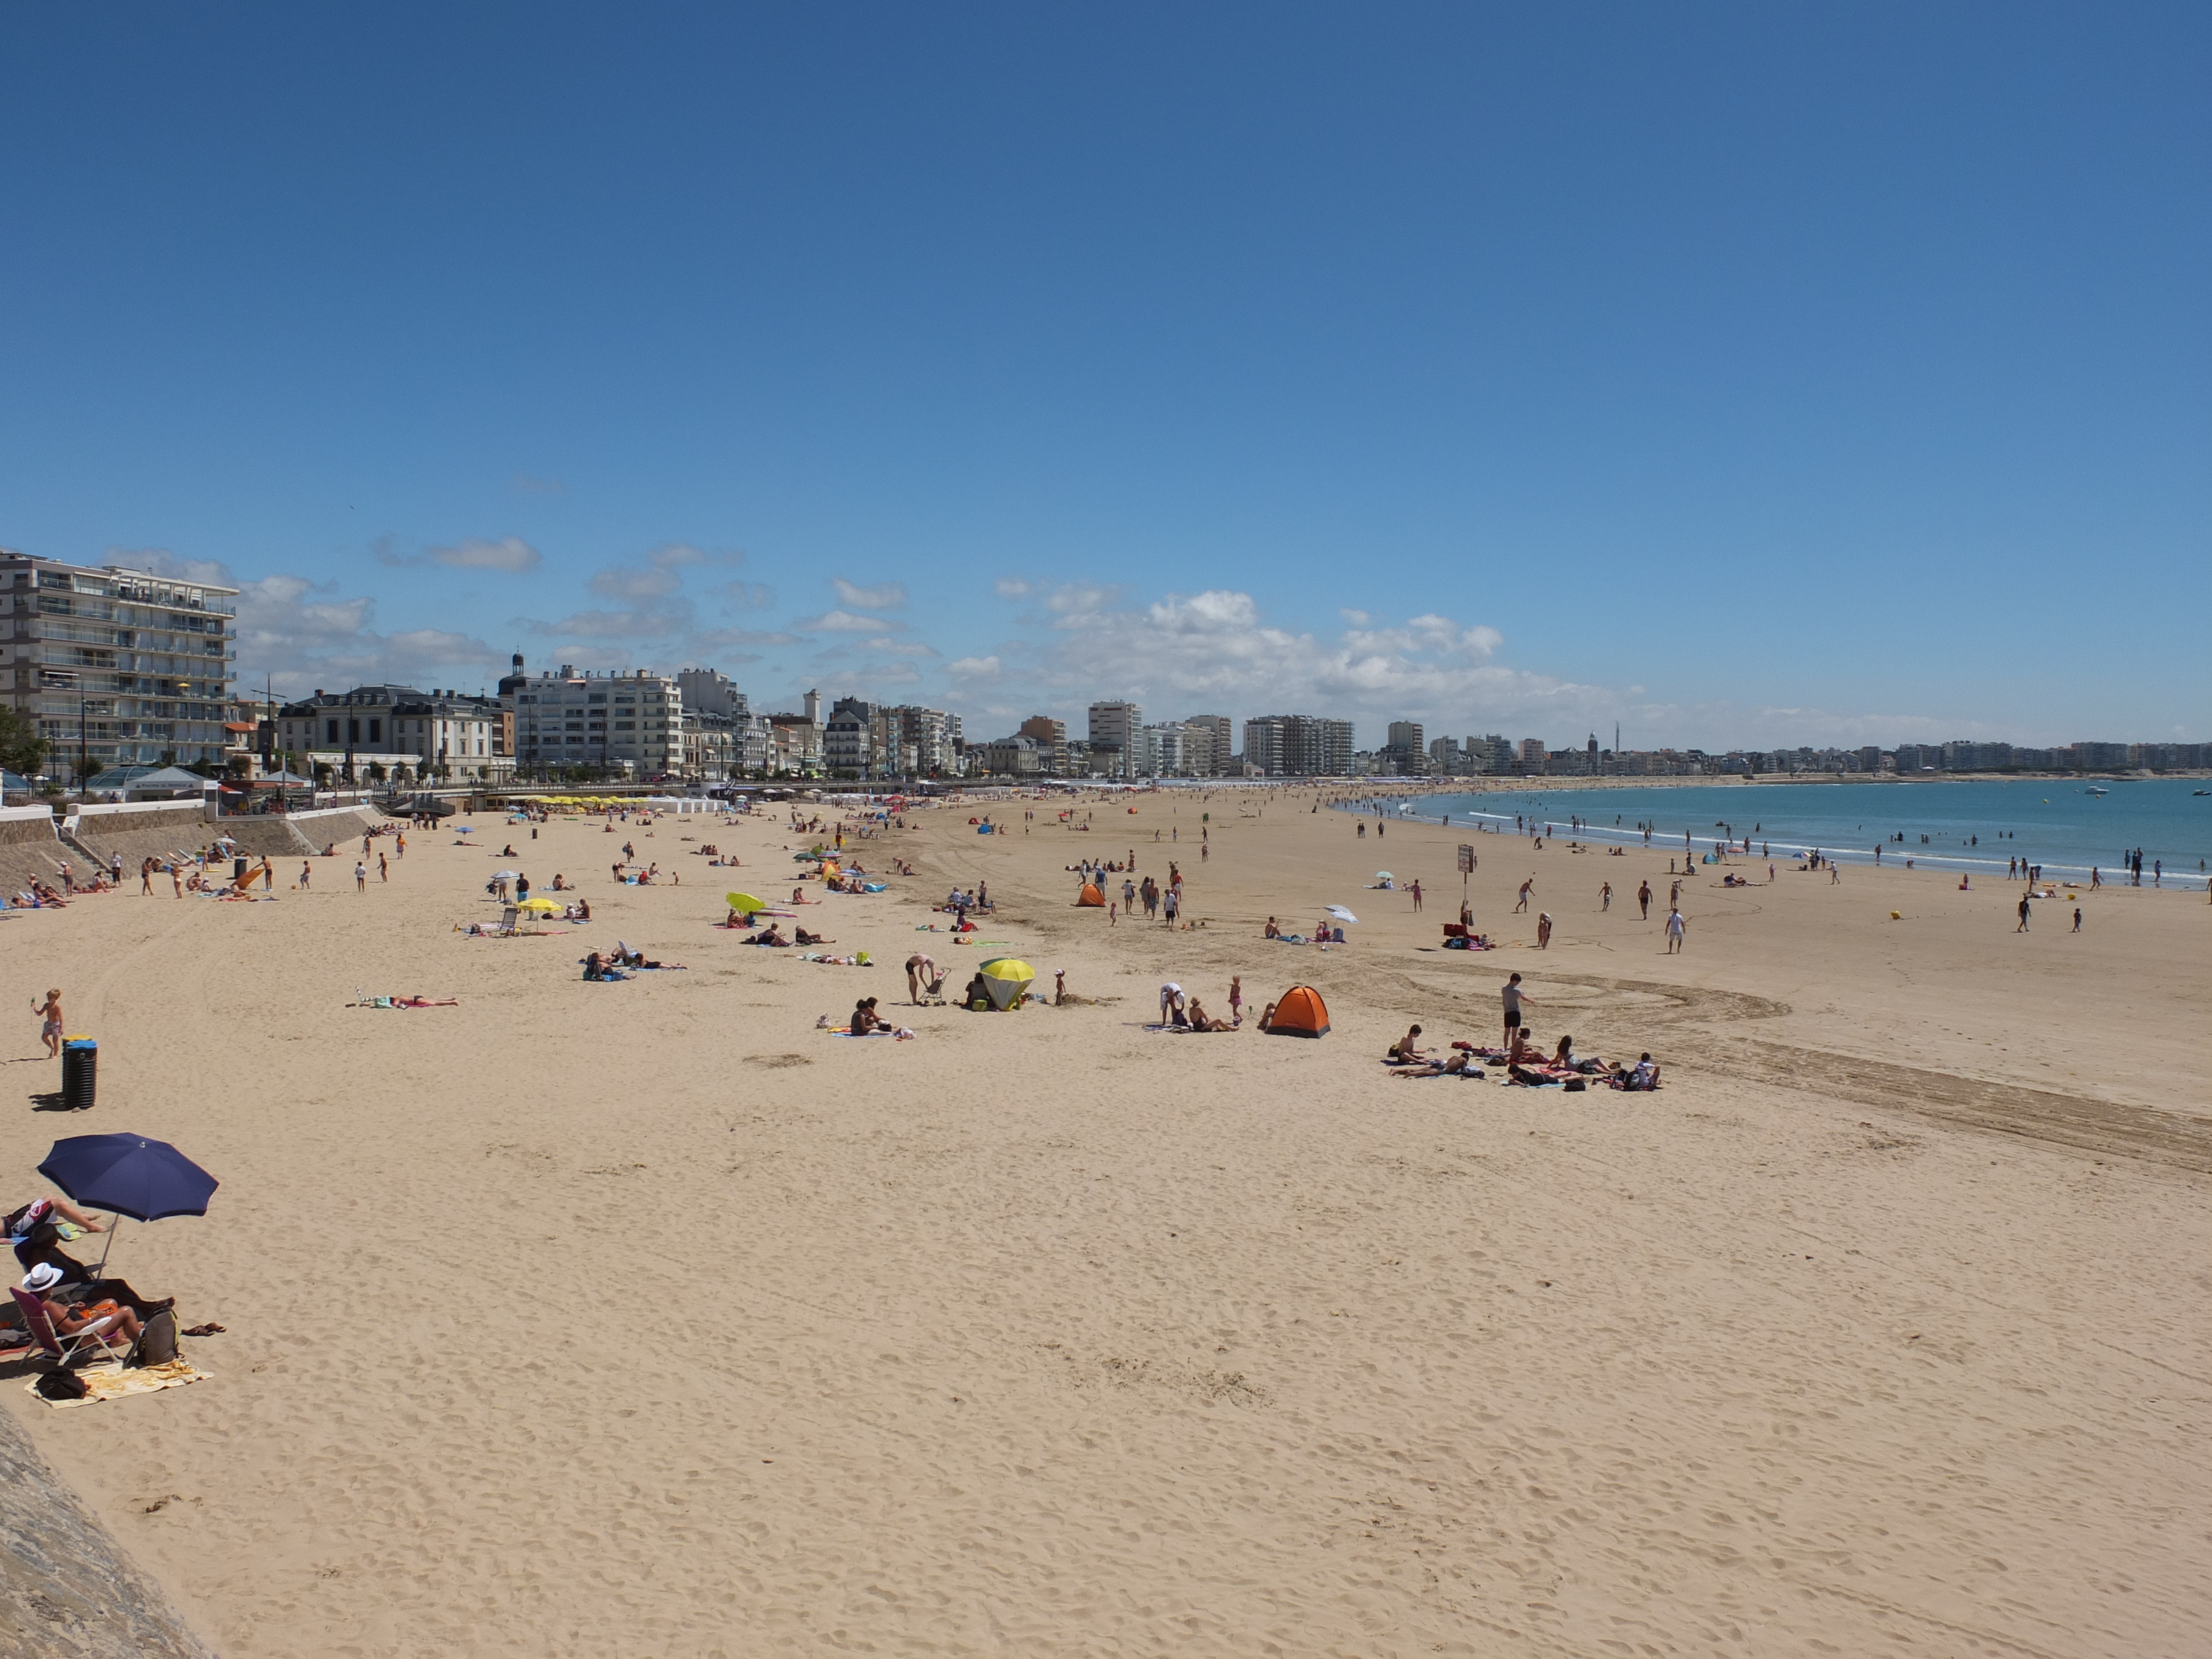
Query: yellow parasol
x=745, y=903
x=540, y=906
x=1007, y=981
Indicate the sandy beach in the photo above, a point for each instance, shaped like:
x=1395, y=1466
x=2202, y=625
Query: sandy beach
x=646, y=1319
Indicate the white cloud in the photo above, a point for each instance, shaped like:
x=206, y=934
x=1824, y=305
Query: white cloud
x=300, y=635
x=1010, y=588
x=1214, y=650
x=884, y=596
x=844, y=621
x=974, y=668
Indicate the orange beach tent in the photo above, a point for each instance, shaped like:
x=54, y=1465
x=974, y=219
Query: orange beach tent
x=1090, y=897
x=1301, y=1013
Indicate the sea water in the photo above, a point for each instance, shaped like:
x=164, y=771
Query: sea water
x=1967, y=825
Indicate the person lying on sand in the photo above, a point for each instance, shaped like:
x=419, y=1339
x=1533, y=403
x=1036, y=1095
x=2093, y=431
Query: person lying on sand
x=1462, y=1064
x=767, y=935
x=799, y=935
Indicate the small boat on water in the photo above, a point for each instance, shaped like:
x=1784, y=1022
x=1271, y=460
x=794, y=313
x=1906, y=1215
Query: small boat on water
x=2201, y=792
x=2094, y=790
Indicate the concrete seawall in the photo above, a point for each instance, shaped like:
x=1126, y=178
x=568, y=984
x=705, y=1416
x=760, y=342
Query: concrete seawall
x=67, y=1591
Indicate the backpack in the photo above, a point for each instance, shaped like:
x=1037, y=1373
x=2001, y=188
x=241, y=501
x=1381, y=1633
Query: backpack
x=61, y=1385
x=157, y=1340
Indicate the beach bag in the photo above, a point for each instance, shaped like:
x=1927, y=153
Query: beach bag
x=61, y=1385
x=157, y=1340
x=1575, y=1086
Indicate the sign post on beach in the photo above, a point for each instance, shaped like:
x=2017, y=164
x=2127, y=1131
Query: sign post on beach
x=1466, y=868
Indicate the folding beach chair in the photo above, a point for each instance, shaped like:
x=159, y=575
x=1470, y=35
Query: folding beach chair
x=61, y=1350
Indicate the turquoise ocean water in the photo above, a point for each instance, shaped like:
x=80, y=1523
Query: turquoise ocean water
x=1970, y=825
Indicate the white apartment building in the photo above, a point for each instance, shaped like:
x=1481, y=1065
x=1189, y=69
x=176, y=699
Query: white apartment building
x=631, y=721
x=1116, y=739
x=116, y=666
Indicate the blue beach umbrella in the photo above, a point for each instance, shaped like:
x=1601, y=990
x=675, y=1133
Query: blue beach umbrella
x=128, y=1175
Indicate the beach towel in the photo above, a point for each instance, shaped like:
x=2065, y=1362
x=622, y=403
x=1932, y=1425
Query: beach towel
x=114, y=1381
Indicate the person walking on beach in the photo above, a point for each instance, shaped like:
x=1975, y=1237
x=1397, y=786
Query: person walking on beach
x=51, y=1030
x=1543, y=930
x=1674, y=932
x=1417, y=895
x=1171, y=904
x=1513, y=996
x=1525, y=887
x=146, y=877
x=400, y=844
x=307, y=871
x=383, y=868
x=359, y=876
x=1237, y=1000
x=1605, y=896
x=2077, y=918
x=1644, y=900
x=2023, y=914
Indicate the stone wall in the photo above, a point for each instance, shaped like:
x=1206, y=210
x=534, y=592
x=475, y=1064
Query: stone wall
x=67, y=1591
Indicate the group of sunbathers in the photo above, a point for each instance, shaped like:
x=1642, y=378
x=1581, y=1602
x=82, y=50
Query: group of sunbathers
x=620, y=963
x=1526, y=1064
x=75, y=1302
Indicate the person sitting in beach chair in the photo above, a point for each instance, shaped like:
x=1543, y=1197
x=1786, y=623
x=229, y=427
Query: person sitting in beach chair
x=96, y=1324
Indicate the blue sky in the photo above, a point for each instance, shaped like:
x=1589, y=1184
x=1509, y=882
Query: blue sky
x=1740, y=373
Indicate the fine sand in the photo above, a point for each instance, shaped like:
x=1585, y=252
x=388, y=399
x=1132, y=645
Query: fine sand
x=648, y=1320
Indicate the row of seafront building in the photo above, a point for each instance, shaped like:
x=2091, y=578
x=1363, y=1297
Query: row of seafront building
x=111, y=667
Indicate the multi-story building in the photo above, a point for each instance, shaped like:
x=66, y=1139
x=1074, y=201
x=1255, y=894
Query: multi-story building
x=1051, y=736
x=628, y=722
x=1299, y=746
x=1116, y=750
x=113, y=667
x=794, y=741
x=1533, y=757
x=1163, y=751
x=927, y=740
x=1212, y=744
x=1017, y=757
x=1403, y=755
x=850, y=741
x=2088, y=756
x=444, y=733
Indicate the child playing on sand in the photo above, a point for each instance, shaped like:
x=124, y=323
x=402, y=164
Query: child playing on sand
x=52, y=1030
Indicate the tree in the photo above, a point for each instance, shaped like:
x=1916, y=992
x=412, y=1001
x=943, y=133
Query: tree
x=21, y=749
